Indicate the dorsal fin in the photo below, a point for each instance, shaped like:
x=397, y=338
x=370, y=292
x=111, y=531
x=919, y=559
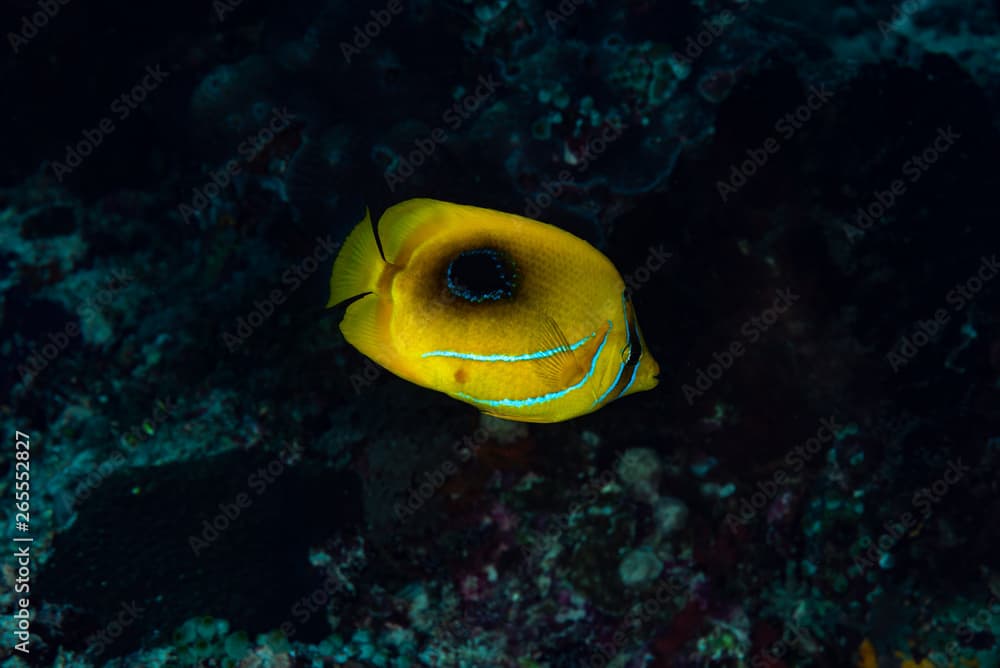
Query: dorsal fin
x=358, y=265
x=409, y=222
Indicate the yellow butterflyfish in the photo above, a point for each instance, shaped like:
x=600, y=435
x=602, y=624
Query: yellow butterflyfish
x=516, y=317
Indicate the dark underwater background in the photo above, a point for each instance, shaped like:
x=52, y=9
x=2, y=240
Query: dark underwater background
x=802, y=198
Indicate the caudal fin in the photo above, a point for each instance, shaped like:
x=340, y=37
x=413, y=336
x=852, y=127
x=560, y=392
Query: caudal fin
x=358, y=265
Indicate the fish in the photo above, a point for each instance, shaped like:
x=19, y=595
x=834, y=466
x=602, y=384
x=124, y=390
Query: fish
x=516, y=317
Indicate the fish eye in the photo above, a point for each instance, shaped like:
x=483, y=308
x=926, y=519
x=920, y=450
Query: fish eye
x=481, y=275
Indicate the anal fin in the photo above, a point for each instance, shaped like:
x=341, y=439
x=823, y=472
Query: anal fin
x=360, y=327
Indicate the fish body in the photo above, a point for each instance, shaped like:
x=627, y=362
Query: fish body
x=518, y=318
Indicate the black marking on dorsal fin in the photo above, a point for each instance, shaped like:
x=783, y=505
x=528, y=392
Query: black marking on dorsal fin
x=378, y=240
x=347, y=302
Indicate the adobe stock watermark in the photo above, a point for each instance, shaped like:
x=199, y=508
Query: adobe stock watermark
x=144, y=430
x=792, y=636
x=251, y=146
x=318, y=599
x=122, y=106
x=365, y=378
x=925, y=331
x=370, y=372
x=535, y=543
x=229, y=512
x=751, y=330
x=93, y=480
x=465, y=449
x=795, y=460
x=56, y=342
x=562, y=12
x=139, y=433
x=223, y=8
x=98, y=642
x=712, y=28
x=786, y=127
x=878, y=552
x=32, y=24
x=293, y=277
x=453, y=117
x=642, y=274
x=362, y=36
x=901, y=13
x=913, y=169
x=592, y=149
x=663, y=598
x=981, y=621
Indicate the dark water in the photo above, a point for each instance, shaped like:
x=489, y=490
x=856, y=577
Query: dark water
x=801, y=200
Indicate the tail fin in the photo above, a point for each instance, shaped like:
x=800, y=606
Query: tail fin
x=358, y=265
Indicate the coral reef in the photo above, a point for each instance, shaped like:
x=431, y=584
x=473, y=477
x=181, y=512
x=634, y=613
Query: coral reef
x=802, y=198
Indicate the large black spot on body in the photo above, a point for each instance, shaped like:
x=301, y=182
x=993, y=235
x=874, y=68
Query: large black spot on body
x=481, y=275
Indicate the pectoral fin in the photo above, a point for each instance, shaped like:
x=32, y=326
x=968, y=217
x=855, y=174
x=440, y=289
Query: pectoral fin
x=569, y=363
